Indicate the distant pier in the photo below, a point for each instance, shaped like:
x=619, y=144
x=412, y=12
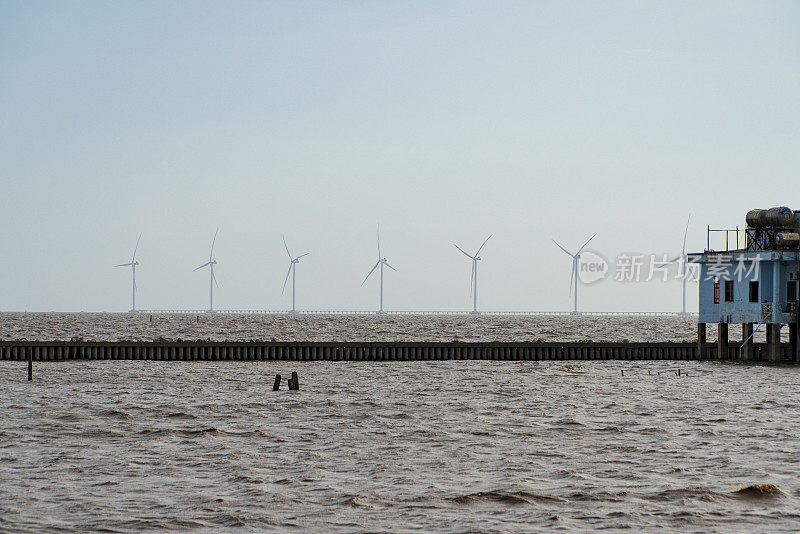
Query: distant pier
x=383, y=351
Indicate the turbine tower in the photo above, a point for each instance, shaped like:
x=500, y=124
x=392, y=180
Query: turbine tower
x=132, y=264
x=213, y=279
x=381, y=261
x=574, y=276
x=473, y=277
x=292, y=267
x=682, y=259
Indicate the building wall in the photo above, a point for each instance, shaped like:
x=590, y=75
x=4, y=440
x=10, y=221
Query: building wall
x=741, y=310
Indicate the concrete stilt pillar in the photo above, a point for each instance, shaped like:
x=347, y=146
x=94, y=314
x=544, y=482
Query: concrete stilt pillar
x=773, y=342
x=722, y=341
x=747, y=339
x=793, y=340
x=701, y=341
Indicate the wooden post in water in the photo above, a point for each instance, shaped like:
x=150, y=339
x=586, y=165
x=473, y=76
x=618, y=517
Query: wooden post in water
x=277, y=385
x=294, y=383
x=30, y=364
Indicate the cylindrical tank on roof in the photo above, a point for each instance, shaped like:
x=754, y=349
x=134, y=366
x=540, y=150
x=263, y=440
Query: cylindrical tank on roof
x=781, y=216
x=756, y=218
x=787, y=239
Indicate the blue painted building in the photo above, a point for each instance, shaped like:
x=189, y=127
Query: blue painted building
x=752, y=280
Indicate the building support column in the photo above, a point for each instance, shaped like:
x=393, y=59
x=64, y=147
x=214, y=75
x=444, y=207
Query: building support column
x=793, y=340
x=722, y=341
x=773, y=342
x=747, y=342
x=701, y=341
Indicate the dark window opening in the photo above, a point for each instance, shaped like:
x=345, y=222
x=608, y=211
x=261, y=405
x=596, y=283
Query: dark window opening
x=716, y=290
x=728, y=290
x=791, y=291
x=753, y=291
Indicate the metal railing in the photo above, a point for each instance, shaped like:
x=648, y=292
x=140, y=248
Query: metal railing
x=728, y=232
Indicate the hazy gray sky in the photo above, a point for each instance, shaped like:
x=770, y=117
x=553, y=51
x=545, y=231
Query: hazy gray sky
x=442, y=121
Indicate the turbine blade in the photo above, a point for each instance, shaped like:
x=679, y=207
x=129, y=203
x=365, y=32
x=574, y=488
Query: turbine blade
x=386, y=263
x=572, y=276
x=673, y=260
x=124, y=265
x=287, y=248
x=286, y=279
x=302, y=255
x=372, y=271
x=214, y=277
x=481, y=247
x=212, y=245
x=206, y=263
x=379, y=241
x=584, y=245
x=472, y=275
x=462, y=250
x=685, y=232
x=133, y=259
x=567, y=252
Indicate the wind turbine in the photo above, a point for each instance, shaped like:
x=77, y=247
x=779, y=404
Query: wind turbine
x=574, y=276
x=213, y=280
x=473, y=277
x=292, y=266
x=132, y=264
x=682, y=258
x=381, y=261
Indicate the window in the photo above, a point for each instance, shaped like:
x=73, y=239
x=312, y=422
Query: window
x=716, y=290
x=753, y=291
x=791, y=291
x=728, y=290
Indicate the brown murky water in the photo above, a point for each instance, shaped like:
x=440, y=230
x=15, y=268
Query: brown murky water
x=220, y=327
x=445, y=446
x=434, y=446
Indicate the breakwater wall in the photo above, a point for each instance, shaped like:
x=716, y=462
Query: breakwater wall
x=388, y=351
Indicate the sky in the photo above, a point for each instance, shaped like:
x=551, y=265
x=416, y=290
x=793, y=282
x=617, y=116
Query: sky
x=444, y=122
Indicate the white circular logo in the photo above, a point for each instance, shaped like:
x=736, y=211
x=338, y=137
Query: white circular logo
x=591, y=267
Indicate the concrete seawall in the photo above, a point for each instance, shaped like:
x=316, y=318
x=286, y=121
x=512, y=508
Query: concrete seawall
x=331, y=351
